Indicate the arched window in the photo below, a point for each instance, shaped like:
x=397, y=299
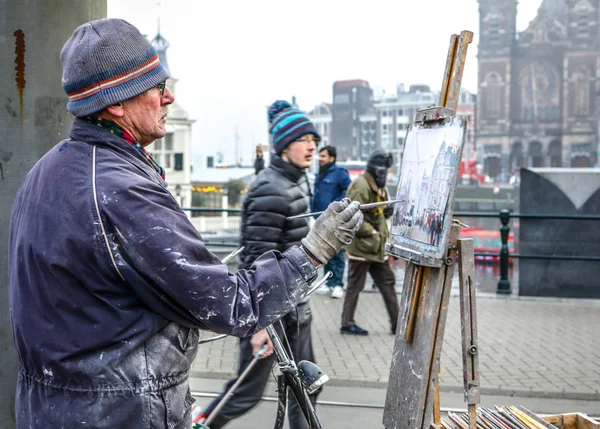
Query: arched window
x=517, y=159
x=536, y=157
x=581, y=93
x=555, y=153
x=493, y=95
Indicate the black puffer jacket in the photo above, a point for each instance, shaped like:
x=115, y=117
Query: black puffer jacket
x=280, y=191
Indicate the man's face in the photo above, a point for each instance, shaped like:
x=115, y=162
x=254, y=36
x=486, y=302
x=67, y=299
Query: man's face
x=146, y=115
x=300, y=152
x=324, y=158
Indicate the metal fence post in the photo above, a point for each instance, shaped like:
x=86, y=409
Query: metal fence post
x=504, y=283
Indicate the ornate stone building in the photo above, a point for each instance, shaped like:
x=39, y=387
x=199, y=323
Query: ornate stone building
x=538, y=89
x=173, y=151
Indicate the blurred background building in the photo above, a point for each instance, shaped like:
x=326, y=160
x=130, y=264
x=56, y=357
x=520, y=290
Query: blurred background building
x=173, y=151
x=537, y=89
x=357, y=123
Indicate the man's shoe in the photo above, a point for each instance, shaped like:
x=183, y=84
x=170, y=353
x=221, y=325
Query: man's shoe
x=337, y=292
x=323, y=290
x=353, y=330
x=394, y=326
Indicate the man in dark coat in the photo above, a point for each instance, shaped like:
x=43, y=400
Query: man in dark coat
x=108, y=279
x=330, y=185
x=367, y=251
x=280, y=191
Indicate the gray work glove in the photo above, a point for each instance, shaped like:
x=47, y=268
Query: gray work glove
x=333, y=230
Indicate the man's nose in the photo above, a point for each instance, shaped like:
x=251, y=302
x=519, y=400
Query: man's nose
x=167, y=98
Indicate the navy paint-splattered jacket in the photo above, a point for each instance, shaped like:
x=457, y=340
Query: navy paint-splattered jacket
x=108, y=283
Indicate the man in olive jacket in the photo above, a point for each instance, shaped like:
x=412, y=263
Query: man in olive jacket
x=366, y=253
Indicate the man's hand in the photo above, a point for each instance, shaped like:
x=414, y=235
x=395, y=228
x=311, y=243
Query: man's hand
x=258, y=340
x=333, y=230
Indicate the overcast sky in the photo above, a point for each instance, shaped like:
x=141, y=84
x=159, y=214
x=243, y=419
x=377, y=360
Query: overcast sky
x=235, y=57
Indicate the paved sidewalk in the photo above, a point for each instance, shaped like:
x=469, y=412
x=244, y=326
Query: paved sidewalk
x=542, y=347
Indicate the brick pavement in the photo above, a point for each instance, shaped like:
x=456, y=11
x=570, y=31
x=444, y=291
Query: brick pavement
x=528, y=347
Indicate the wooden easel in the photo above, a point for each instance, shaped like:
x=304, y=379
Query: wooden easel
x=412, y=399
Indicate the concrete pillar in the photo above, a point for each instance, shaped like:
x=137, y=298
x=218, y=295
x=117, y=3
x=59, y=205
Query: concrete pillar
x=33, y=118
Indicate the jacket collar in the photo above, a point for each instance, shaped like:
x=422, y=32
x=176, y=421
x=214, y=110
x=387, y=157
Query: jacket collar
x=286, y=169
x=86, y=132
x=371, y=181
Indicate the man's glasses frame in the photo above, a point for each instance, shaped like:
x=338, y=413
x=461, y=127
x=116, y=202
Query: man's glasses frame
x=161, y=87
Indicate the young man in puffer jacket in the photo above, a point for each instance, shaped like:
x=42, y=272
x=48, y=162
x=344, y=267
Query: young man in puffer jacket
x=280, y=191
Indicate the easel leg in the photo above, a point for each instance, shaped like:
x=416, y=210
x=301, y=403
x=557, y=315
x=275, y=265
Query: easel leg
x=468, y=324
x=437, y=414
x=413, y=282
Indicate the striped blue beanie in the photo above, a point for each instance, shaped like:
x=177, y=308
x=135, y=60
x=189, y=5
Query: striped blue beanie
x=105, y=62
x=287, y=125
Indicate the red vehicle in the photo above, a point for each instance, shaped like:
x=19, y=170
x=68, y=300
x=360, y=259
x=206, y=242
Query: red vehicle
x=488, y=241
x=471, y=172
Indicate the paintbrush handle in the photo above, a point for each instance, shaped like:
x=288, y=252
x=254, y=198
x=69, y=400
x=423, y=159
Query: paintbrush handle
x=362, y=207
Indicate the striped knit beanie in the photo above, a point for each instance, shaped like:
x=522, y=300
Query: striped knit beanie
x=287, y=125
x=105, y=62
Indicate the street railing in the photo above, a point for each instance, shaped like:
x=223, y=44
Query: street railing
x=505, y=217
x=504, y=254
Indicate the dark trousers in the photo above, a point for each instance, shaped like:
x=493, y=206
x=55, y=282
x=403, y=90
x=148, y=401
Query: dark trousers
x=249, y=392
x=336, y=267
x=384, y=279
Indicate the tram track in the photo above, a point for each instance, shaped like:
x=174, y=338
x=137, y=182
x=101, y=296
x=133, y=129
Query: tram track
x=198, y=394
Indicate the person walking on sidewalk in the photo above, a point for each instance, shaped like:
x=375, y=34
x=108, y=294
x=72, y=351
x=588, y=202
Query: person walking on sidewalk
x=367, y=251
x=259, y=161
x=280, y=191
x=331, y=185
x=108, y=280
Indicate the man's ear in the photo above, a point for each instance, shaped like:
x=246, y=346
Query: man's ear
x=116, y=110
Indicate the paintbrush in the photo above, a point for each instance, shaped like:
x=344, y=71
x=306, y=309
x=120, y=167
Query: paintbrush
x=362, y=207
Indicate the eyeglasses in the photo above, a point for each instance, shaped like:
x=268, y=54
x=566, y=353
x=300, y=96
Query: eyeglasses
x=161, y=87
x=309, y=140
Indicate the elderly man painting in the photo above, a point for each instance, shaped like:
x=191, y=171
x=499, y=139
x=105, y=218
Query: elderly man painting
x=108, y=280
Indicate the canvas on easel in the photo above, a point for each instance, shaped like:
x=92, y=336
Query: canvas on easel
x=428, y=176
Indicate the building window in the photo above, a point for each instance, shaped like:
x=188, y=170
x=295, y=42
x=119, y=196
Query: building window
x=493, y=92
x=400, y=112
x=163, y=152
x=325, y=128
x=583, y=10
x=385, y=127
x=581, y=95
x=493, y=25
x=341, y=98
x=400, y=141
x=400, y=127
x=179, y=161
x=384, y=113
